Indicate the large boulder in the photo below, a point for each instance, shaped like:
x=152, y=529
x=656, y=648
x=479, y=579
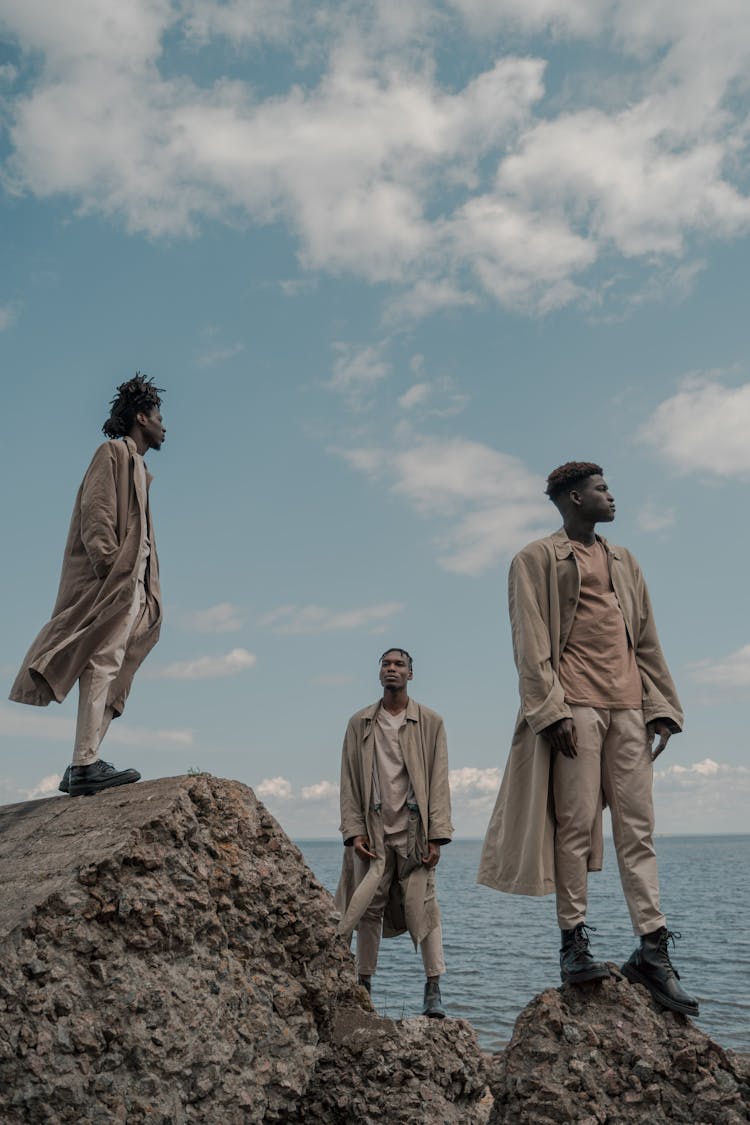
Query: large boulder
x=605, y=1053
x=167, y=957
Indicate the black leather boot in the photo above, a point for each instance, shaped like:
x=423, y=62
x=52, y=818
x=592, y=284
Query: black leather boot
x=650, y=965
x=433, y=1001
x=64, y=786
x=86, y=780
x=576, y=963
x=366, y=983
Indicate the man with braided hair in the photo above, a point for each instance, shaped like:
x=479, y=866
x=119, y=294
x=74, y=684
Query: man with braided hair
x=595, y=695
x=107, y=615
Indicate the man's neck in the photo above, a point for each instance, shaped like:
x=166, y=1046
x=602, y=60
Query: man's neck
x=138, y=440
x=580, y=530
x=394, y=702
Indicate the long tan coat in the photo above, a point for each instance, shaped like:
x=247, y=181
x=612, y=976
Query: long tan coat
x=423, y=744
x=543, y=590
x=97, y=585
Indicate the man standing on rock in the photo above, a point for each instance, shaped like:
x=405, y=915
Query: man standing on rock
x=107, y=615
x=595, y=693
x=395, y=816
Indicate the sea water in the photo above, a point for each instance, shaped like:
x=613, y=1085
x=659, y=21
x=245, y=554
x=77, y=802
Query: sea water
x=501, y=950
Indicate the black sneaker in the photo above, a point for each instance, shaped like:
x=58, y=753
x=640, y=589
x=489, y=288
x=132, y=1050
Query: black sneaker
x=576, y=963
x=86, y=780
x=433, y=1001
x=650, y=966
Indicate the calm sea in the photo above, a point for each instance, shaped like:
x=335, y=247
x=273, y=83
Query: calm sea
x=501, y=950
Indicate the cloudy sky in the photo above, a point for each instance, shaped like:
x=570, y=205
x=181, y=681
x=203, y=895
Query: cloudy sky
x=393, y=262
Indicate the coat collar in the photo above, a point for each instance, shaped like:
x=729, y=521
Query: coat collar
x=564, y=548
x=412, y=711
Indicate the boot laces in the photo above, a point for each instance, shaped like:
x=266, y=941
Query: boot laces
x=581, y=941
x=663, y=948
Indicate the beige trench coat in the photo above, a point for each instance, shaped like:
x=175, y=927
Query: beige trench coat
x=97, y=585
x=423, y=743
x=543, y=589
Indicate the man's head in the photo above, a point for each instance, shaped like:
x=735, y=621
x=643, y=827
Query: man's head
x=396, y=668
x=135, y=412
x=578, y=487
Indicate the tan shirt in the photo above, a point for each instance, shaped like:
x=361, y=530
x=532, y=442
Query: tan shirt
x=392, y=773
x=597, y=665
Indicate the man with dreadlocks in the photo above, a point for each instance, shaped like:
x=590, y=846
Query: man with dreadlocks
x=595, y=695
x=107, y=615
x=395, y=815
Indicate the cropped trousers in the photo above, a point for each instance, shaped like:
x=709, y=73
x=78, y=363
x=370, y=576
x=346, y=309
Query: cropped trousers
x=613, y=759
x=370, y=926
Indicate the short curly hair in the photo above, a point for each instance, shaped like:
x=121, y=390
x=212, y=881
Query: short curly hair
x=135, y=396
x=566, y=476
x=395, y=648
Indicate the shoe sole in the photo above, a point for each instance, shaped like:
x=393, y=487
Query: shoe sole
x=434, y=1015
x=583, y=978
x=660, y=997
x=90, y=791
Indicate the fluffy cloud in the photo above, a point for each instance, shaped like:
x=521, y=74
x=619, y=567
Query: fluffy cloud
x=221, y=618
x=705, y=797
x=703, y=428
x=488, y=501
x=272, y=787
x=731, y=672
x=377, y=167
x=289, y=619
x=208, y=667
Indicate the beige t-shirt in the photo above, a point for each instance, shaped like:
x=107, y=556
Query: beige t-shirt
x=394, y=779
x=141, y=479
x=597, y=666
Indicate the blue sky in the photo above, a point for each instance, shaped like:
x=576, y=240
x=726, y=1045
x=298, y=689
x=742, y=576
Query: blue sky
x=392, y=262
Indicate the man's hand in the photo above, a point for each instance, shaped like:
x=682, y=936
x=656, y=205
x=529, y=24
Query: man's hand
x=432, y=859
x=664, y=731
x=361, y=847
x=562, y=737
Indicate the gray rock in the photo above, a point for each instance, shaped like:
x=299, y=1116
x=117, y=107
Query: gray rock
x=169, y=958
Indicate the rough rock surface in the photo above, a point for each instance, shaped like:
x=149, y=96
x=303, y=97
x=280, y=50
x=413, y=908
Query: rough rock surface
x=167, y=957
x=605, y=1053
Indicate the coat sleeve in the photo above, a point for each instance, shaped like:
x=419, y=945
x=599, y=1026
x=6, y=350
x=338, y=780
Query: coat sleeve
x=660, y=699
x=351, y=795
x=439, y=827
x=99, y=511
x=542, y=696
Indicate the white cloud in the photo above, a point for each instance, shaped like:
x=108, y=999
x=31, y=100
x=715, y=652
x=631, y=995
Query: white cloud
x=321, y=791
x=211, y=357
x=378, y=168
x=705, y=797
x=208, y=667
x=703, y=428
x=277, y=787
x=653, y=518
x=357, y=369
x=8, y=316
x=488, y=501
x=416, y=395
x=731, y=672
x=221, y=618
x=25, y=722
x=288, y=619
x=45, y=787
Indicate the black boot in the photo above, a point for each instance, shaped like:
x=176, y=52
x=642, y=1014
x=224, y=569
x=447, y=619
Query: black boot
x=85, y=780
x=64, y=786
x=366, y=983
x=650, y=965
x=576, y=963
x=433, y=1001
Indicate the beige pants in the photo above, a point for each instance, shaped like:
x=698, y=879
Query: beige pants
x=370, y=927
x=614, y=757
x=94, y=715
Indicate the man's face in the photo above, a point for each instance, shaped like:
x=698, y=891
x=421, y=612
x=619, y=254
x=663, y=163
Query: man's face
x=153, y=428
x=394, y=670
x=595, y=501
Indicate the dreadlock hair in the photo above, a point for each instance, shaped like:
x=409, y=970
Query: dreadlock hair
x=395, y=648
x=136, y=396
x=566, y=476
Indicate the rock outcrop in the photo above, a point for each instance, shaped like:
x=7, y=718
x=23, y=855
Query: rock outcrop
x=605, y=1054
x=167, y=957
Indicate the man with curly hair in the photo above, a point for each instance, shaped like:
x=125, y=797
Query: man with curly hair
x=596, y=694
x=107, y=615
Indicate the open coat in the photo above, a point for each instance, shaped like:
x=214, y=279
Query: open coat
x=110, y=521
x=423, y=744
x=543, y=590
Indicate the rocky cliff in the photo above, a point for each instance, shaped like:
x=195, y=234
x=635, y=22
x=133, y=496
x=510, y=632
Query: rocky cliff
x=168, y=957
